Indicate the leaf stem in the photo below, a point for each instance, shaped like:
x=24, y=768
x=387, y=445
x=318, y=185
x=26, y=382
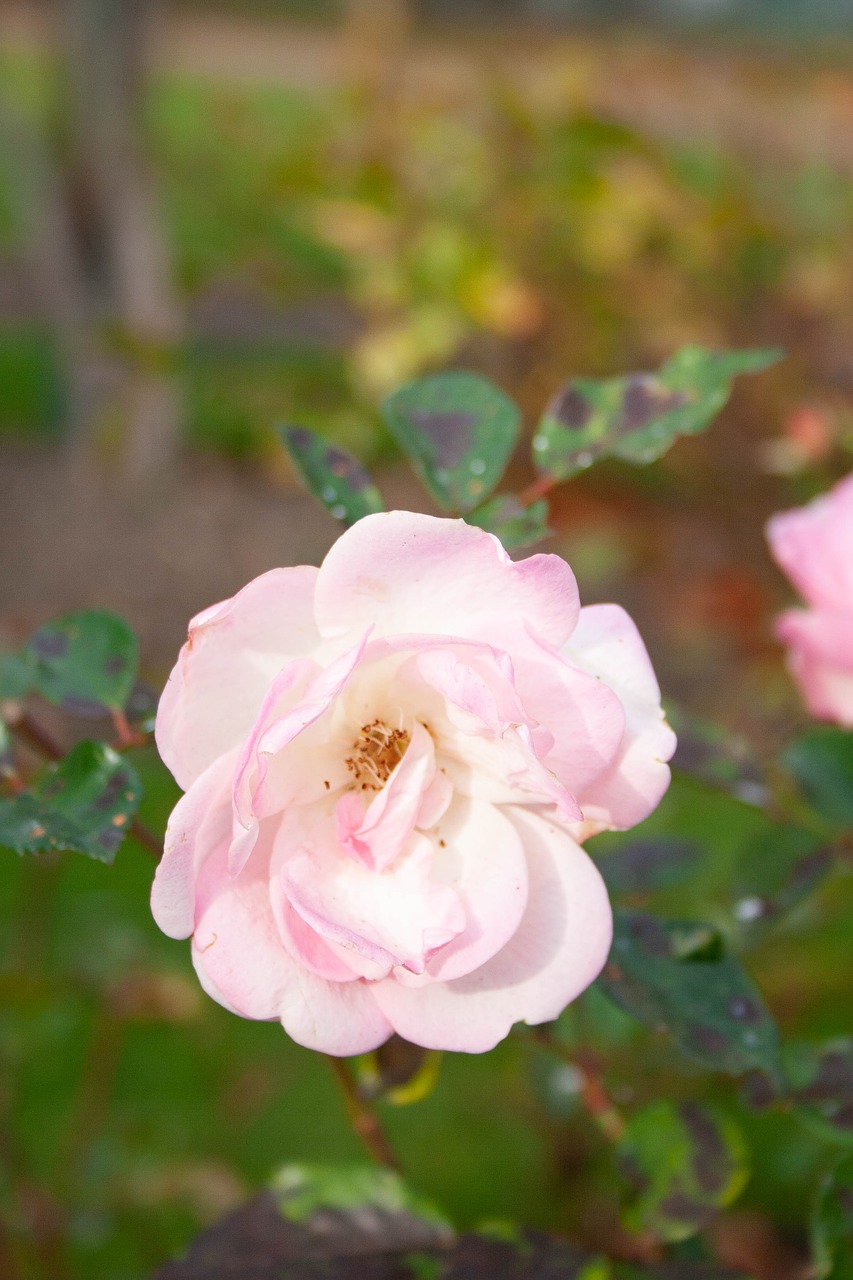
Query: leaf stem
x=593, y=1094
x=536, y=489
x=362, y=1117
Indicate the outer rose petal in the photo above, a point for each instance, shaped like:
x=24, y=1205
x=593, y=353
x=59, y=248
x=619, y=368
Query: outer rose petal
x=242, y=964
x=813, y=546
x=820, y=657
x=557, y=951
x=607, y=643
x=407, y=573
x=200, y=823
x=232, y=653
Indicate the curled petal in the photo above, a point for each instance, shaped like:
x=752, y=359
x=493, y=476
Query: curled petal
x=558, y=949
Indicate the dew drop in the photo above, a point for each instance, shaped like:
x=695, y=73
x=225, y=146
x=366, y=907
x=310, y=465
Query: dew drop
x=477, y=465
x=339, y=511
x=584, y=460
x=329, y=493
x=749, y=909
x=540, y=443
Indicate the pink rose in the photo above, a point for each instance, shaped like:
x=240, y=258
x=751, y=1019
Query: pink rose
x=814, y=546
x=388, y=763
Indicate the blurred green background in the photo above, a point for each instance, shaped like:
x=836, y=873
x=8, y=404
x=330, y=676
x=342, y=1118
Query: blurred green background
x=289, y=210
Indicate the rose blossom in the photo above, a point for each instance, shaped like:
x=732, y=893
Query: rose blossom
x=814, y=546
x=388, y=762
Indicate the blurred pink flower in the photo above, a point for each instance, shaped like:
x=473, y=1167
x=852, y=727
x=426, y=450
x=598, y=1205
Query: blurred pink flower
x=388, y=763
x=814, y=546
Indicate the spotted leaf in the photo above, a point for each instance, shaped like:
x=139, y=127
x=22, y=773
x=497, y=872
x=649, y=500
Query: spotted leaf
x=84, y=803
x=85, y=662
x=674, y=975
x=680, y=1164
x=515, y=525
x=331, y=474
x=459, y=430
x=637, y=417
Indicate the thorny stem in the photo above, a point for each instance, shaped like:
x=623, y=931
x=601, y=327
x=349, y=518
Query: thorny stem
x=362, y=1117
x=593, y=1095
x=38, y=737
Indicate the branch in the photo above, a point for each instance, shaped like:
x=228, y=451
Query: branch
x=362, y=1117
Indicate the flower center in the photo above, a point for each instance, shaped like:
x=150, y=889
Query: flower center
x=376, y=753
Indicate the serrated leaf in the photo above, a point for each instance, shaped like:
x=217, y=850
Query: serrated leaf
x=822, y=763
x=339, y=480
x=820, y=1083
x=516, y=526
x=85, y=662
x=682, y=1164
x=674, y=975
x=84, y=803
x=832, y=1224
x=638, y=417
x=459, y=431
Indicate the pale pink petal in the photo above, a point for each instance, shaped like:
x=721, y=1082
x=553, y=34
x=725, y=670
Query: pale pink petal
x=405, y=572
x=606, y=644
x=241, y=963
x=233, y=651
x=813, y=546
x=396, y=917
x=584, y=714
x=294, y=702
x=820, y=657
x=199, y=824
x=558, y=949
x=376, y=835
x=481, y=857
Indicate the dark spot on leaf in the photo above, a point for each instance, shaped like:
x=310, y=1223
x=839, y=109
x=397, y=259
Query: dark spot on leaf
x=298, y=438
x=348, y=469
x=450, y=433
x=82, y=706
x=632, y=1172
x=645, y=399
x=114, y=665
x=845, y=1199
x=711, y=1160
x=709, y=1039
x=683, y=1208
x=50, y=644
x=570, y=408
x=757, y=1090
x=110, y=839
x=650, y=935
x=843, y=1117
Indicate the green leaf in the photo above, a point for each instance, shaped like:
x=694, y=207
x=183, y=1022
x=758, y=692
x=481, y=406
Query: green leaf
x=84, y=803
x=716, y=755
x=832, y=1225
x=820, y=1082
x=639, y=416
x=331, y=474
x=85, y=662
x=516, y=526
x=675, y=975
x=17, y=674
x=642, y=866
x=7, y=761
x=822, y=763
x=682, y=1164
x=459, y=430
x=304, y=1190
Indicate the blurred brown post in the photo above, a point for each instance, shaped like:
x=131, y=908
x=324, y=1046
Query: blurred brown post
x=118, y=224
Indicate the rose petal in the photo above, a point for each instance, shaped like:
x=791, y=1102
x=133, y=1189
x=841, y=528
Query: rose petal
x=405, y=572
x=241, y=963
x=199, y=823
x=813, y=546
x=203, y=712
x=820, y=657
x=558, y=949
x=608, y=645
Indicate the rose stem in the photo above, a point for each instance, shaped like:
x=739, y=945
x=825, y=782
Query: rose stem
x=593, y=1095
x=362, y=1117
x=33, y=733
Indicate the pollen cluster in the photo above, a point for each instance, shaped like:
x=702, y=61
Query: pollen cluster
x=376, y=753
